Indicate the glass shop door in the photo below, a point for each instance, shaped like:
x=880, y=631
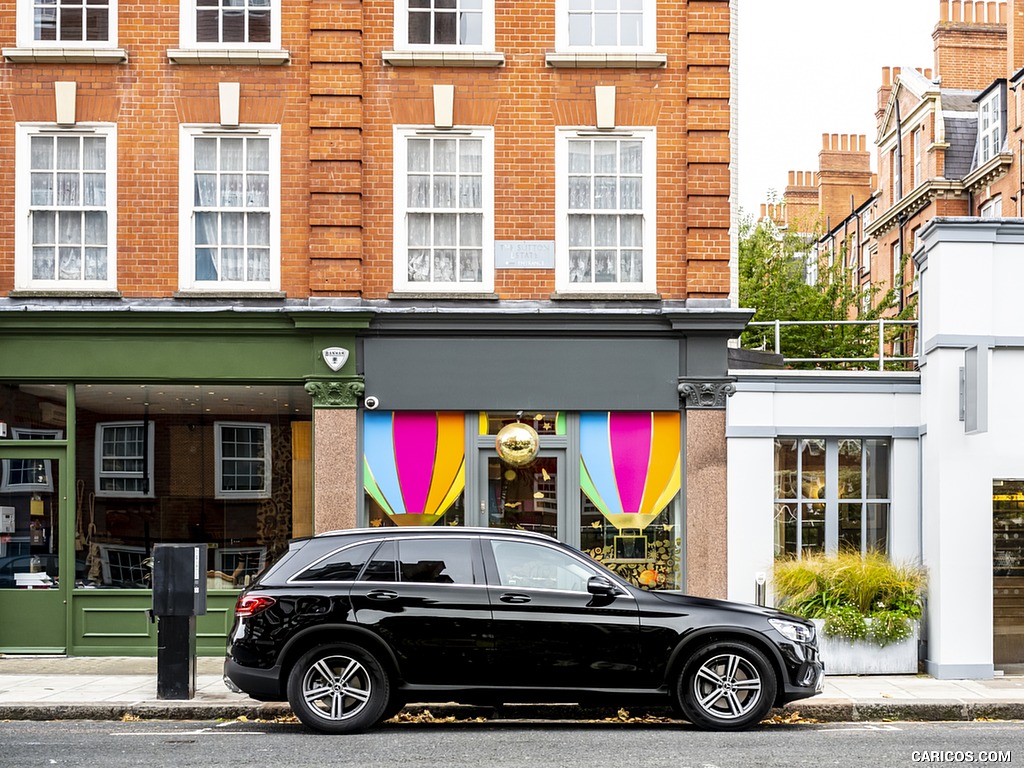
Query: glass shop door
x=37, y=570
x=527, y=498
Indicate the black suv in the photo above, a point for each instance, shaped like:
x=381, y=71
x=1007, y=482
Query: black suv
x=352, y=625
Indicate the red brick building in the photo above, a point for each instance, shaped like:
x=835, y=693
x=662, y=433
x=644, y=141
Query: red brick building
x=243, y=243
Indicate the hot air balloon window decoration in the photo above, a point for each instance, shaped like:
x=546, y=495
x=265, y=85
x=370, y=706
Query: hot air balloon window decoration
x=630, y=475
x=414, y=467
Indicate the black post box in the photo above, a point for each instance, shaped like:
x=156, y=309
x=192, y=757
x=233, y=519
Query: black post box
x=179, y=595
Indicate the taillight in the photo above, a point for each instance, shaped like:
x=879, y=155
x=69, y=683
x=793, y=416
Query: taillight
x=250, y=605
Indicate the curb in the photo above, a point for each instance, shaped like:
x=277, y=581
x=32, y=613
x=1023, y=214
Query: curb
x=797, y=712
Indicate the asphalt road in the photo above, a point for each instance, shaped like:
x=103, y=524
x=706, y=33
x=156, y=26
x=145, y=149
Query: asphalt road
x=164, y=744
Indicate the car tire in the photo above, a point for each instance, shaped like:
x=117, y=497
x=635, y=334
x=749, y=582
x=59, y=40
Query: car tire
x=726, y=686
x=338, y=688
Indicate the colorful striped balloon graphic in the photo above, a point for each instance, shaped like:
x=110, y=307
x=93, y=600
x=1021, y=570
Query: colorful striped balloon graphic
x=630, y=464
x=414, y=463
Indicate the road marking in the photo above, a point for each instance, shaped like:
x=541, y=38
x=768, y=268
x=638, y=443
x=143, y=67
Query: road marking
x=200, y=732
x=866, y=728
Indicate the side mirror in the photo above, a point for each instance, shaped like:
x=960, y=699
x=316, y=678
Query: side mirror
x=602, y=587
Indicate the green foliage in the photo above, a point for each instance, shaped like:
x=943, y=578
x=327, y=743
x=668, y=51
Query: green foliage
x=772, y=281
x=847, y=590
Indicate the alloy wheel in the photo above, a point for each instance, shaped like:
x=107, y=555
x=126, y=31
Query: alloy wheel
x=727, y=686
x=336, y=687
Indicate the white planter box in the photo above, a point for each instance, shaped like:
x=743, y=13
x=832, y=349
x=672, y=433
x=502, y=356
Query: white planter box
x=860, y=657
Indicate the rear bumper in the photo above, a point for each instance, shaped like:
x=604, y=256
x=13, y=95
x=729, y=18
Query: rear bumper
x=260, y=684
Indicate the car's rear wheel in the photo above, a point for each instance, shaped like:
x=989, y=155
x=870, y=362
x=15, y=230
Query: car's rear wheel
x=338, y=689
x=726, y=686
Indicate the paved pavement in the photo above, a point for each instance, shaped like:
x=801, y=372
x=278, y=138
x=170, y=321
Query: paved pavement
x=112, y=688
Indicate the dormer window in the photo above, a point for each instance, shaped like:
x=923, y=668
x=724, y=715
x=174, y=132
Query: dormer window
x=991, y=120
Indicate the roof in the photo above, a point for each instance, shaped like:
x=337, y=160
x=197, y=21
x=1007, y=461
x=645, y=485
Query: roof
x=961, y=136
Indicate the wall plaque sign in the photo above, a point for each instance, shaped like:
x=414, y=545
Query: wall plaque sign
x=524, y=254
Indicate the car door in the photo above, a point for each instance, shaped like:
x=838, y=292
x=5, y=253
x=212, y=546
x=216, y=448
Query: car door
x=427, y=598
x=549, y=631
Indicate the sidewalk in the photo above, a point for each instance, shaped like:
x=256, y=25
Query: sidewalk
x=112, y=688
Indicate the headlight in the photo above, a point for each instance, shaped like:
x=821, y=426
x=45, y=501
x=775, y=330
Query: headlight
x=799, y=633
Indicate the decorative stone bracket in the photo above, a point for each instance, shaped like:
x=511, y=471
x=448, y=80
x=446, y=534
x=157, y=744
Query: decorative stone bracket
x=343, y=393
x=707, y=394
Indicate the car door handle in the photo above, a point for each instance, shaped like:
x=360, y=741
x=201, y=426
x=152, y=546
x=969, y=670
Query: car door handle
x=514, y=597
x=382, y=594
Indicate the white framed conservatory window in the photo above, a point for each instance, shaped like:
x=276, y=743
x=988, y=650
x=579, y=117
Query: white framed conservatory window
x=605, y=25
x=65, y=203
x=229, y=204
x=124, y=459
x=29, y=475
x=605, y=204
x=832, y=494
x=242, y=455
x=231, y=24
x=464, y=25
x=444, y=210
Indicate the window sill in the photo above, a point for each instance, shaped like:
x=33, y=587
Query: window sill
x=236, y=56
x=444, y=58
x=66, y=55
x=444, y=296
x=602, y=296
x=64, y=293
x=594, y=60
x=223, y=294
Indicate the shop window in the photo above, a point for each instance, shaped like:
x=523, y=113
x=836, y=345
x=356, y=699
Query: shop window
x=831, y=494
x=213, y=478
x=614, y=25
x=444, y=211
x=229, y=204
x=124, y=459
x=630, y=477
x=243, y=460
x=29, y=474
x=605, y=211
x=414, y=467
x=66, y=197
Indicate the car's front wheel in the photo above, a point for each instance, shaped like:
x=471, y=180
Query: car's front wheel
x=726, y=686
x=338, y=689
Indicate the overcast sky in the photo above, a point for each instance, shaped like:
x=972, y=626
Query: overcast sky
x=808, y=67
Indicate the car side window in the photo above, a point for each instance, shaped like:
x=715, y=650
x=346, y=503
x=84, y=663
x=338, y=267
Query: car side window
x=343, y=565
x=535, y=566
x=382, y=566
x=436, y=561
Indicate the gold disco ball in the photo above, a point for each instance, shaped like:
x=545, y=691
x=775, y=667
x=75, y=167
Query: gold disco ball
x=517, y=444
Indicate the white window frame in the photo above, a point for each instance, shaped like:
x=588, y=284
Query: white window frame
x=990, y=127
x=648, y=32
x=186, y=209
x=223, y=493
x=918, y=160
x=26, y=30
x=188, y=32
x=401, y=136
x=402, y=31
x=101, y=475
x=23, y=244
x=992, y=208
x=26, y=433
x=648, y=136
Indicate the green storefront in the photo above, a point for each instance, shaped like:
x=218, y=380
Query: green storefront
x=124, y=429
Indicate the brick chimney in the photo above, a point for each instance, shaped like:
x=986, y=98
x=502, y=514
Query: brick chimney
x=801, y=198
x=1014, y=37
x=844, y=172
x=970, y=43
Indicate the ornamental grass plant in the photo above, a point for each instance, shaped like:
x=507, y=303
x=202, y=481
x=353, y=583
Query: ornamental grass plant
x=859, y=597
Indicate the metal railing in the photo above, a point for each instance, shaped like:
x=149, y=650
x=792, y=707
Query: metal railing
x=881, y=359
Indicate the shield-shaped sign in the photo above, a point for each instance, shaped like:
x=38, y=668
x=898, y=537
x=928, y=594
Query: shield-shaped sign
x=335, y=357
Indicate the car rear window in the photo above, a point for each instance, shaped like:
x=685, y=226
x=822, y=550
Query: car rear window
x=343, y=565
